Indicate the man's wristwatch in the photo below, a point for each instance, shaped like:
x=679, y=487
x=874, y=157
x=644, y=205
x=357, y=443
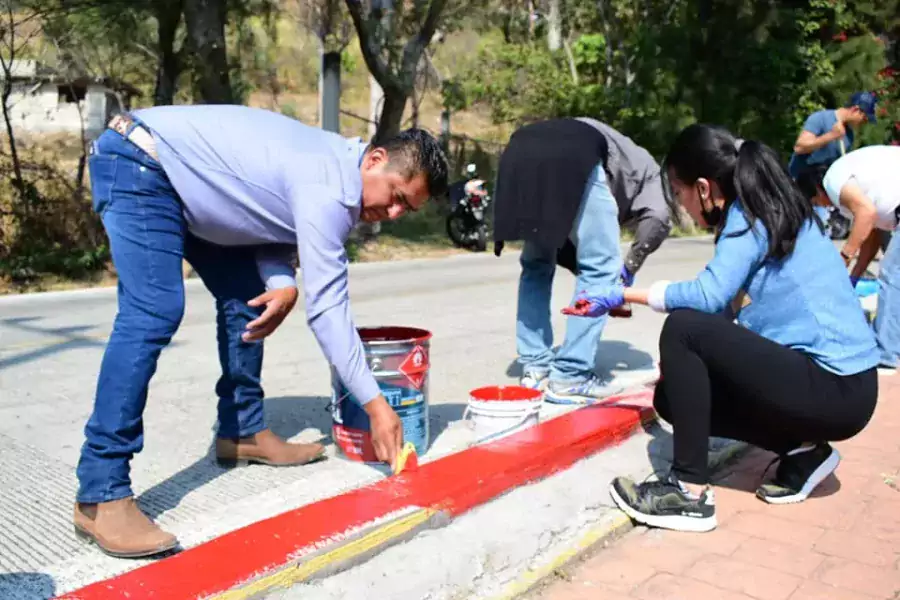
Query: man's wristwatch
x=846, y=257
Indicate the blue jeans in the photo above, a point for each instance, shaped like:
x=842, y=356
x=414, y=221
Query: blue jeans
x=595, y=234
x=148, y=236
x=887, y=317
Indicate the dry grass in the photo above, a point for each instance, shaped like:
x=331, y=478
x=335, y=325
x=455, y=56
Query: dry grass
x=297, y=72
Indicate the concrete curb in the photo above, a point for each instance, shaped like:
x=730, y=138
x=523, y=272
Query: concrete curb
x=329, y=536
x=355, y=550
x=608, y=530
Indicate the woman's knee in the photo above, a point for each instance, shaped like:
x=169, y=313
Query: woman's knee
x=661, y=403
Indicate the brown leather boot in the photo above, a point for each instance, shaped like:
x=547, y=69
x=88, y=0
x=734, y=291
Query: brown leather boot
x=120, y=529
x=266, y=448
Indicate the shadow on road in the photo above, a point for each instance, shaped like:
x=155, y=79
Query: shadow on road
x=26, y=586
x=286, y=416
x=442, y=416
x=612, y=355
x=72, y=339
x=67, y=338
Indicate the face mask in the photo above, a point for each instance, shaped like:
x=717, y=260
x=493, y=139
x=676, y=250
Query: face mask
x=712, y=217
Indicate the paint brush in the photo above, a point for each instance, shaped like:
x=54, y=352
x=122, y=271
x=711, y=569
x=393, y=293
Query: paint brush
x=407, y=459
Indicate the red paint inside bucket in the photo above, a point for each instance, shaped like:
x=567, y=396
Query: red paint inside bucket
x=393, y=334
x=508, y=393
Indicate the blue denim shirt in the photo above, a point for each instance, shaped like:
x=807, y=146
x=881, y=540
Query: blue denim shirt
x=252, y=177
x=820, y=123
x=804, y=302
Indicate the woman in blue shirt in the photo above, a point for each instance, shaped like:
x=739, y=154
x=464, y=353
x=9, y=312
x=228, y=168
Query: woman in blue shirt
x=767, y=345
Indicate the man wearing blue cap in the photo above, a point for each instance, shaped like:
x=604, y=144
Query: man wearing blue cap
x=828, y=134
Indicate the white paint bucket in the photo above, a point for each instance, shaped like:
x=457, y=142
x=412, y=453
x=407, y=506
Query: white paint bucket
x=496, y=411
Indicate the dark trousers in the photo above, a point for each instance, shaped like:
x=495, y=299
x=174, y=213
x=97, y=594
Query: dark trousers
x=720, y=379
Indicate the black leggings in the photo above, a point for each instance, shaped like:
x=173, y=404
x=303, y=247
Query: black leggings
x=720, y=379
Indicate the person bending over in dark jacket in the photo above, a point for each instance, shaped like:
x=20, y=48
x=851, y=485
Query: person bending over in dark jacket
x=564, y=186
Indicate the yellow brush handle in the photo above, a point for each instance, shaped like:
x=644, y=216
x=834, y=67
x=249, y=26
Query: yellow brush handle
x=408, y=450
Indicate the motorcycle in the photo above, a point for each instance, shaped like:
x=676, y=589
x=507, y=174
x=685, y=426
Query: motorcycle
x=469, y=200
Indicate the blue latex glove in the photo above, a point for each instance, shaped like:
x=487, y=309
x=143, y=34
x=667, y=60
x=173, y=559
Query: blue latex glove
x=598, y=304
x=627, y=277
x=854, y=281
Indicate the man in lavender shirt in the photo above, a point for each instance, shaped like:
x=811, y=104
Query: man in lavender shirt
x=240, y=193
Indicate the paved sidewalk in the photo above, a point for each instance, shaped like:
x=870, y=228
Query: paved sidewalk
x=843, y=543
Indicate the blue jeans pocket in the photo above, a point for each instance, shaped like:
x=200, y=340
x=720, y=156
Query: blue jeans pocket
x=102, y=169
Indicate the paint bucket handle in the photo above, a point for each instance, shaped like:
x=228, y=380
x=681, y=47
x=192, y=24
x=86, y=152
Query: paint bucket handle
x=335, y=401
x=519, y=423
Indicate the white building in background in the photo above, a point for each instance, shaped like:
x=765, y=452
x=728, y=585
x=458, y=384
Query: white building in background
x=43, y=101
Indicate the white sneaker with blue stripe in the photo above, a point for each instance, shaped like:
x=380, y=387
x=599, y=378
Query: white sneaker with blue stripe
x=534, y=380
x=584, y=392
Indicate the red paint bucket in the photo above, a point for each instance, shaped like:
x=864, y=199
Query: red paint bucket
x=399, y=358
x=499, y=410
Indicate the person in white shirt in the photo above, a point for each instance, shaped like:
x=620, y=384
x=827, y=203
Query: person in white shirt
x=865, y=185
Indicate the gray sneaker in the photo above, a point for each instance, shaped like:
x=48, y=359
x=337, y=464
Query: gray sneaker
x=584, y=392
x=665, y=503
x=534, y=380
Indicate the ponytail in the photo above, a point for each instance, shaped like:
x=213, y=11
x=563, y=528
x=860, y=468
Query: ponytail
x=747, y=172
x=767, y=193
x=810, y=180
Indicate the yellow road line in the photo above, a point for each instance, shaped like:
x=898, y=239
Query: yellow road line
x=298, y=573
x=527, y=580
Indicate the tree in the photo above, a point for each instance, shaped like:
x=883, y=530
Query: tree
x=327, y=20
x=115, y=38
x=381, y=27
x=170, y=61
x=205, y=20
x=20, y=24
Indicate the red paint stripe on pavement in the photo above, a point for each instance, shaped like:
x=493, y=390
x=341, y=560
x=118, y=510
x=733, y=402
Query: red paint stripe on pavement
x=455, y=483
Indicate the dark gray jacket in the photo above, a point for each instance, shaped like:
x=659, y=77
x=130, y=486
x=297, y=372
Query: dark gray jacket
x=635, y=182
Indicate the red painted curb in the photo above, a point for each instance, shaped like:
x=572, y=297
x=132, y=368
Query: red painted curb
x=454, y=484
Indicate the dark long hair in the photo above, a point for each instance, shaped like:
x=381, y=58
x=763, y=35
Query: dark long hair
x=810, y=179
x=748, y=172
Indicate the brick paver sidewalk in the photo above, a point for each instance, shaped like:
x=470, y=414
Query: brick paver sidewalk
x=843, y=543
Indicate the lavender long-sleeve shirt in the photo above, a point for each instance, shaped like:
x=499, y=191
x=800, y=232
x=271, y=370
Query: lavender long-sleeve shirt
x=253, y=177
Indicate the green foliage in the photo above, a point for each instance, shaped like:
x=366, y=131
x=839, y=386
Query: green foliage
x=520, y=82
x=589, y=53
x=423, y=226
x=102, y=39
x=650, y=68
x=289, y=109
x=49, y=227
x=349, y=63
x=352, y=248
x=32, y=260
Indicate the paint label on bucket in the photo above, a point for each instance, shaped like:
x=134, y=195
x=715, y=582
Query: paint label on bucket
x=351, y=428
x=415, y=366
